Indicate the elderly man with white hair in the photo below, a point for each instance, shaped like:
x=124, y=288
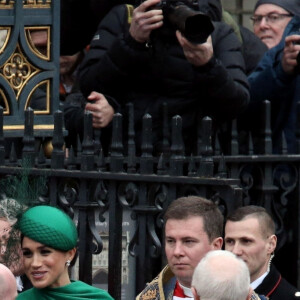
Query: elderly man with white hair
x=221, y=275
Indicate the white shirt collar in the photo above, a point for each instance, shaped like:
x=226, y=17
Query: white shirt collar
x=187, y=291
x=19, y=284
x=258, y=281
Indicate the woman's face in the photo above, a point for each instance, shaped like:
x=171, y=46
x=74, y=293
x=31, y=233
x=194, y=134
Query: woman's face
x=45, y=266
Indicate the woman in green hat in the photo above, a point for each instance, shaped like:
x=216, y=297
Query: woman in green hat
x=49, y=239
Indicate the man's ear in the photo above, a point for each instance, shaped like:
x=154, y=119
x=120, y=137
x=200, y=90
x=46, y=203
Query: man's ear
x=272, y=243
x=217, y=243
x=196, y=297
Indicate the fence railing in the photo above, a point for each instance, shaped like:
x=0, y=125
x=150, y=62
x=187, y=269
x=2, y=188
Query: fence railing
x=144, y=185
x=94, y=188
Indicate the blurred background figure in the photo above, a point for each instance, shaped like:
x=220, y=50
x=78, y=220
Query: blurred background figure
x=276, y=77
x=68, y=73
x=8, y=286
x=11, y=254
x=39, y=39
x=79, y=21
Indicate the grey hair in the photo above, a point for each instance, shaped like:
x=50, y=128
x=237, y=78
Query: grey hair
x=221, y=275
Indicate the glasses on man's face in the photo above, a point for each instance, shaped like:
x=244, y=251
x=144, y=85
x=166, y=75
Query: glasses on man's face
x=269, y=18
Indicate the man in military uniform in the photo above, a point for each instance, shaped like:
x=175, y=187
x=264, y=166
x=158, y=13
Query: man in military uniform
x=250, y=234
x=193, y=227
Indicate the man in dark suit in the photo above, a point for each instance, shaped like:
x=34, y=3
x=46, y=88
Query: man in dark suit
x=79, y=22
x=250, y=234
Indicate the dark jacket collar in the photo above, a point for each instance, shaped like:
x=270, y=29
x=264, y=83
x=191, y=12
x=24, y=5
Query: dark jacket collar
x=270, y=283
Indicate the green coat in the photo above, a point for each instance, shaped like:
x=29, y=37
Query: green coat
x=76, y=290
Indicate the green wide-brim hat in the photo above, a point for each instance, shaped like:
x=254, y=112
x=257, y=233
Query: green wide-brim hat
x=49, y=226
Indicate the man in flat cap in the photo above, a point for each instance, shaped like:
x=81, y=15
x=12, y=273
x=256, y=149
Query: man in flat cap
x=276, y=78
x=271, y=17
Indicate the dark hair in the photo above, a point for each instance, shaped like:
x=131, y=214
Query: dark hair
x=194, y=206
x=265, y=220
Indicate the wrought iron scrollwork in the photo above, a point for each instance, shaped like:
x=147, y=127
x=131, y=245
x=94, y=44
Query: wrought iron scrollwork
x=159, y=200
x=68, y=195
x=99, y=194
x=286, y=178
x=157, y=194
x=247, y=182
x=17, y=71
x=97, y=241
x=155, y=249
x=127, y=194
x=133, y=246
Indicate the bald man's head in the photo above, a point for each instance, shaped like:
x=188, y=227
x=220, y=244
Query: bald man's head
x=220, y=275
x=8, y=285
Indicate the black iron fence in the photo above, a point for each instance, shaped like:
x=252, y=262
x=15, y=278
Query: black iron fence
x=96, y=188
x=269, y=180
x=144, y=185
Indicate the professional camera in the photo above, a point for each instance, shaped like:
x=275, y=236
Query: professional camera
x=183, y=15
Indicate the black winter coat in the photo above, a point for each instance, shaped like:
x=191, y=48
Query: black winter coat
x=277, y=288
x=118, y=66
x=79, y=20
x=76, y=35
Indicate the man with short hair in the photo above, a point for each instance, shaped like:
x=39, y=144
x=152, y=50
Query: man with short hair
x=250, y=234
x=193, y=227
x=8, y=285
x=221, y=275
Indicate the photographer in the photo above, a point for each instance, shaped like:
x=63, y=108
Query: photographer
x=276, y=77
x=143, y=59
